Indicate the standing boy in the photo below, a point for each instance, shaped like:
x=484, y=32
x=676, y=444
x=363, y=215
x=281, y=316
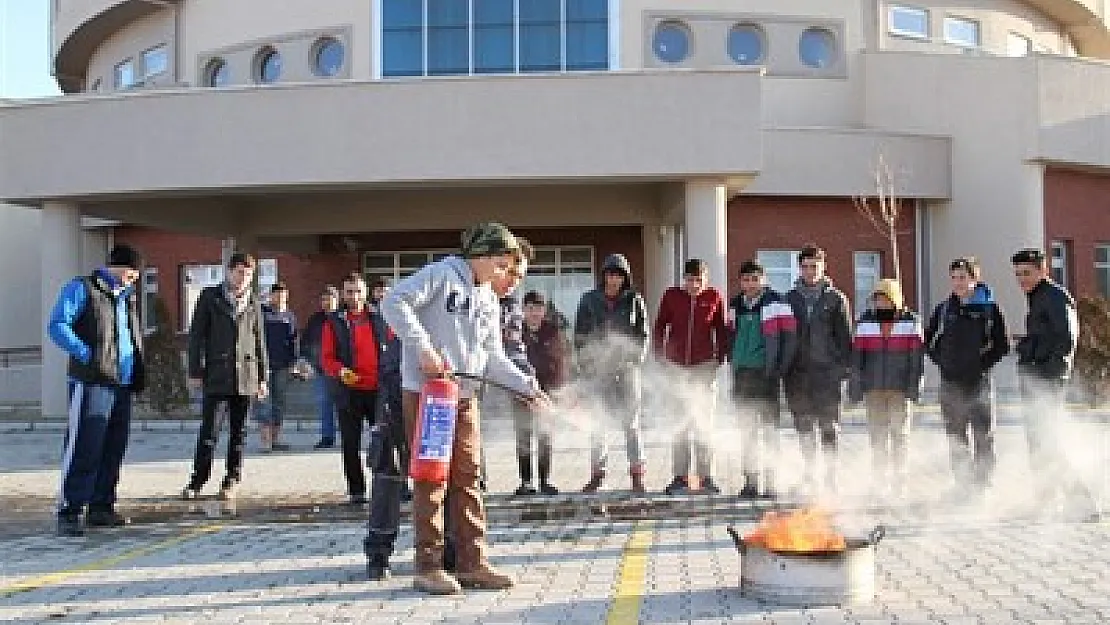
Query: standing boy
x=762, y=350
x=547, y=351
x=228, y=360
x=820, y=366
x=611, y=339
x=966, y=338
x=95, y=321
x=690, y=333
x=280, y=324
x=447, y=318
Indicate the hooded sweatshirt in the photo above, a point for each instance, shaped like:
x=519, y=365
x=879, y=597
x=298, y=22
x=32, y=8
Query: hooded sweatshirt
x=440, y=308
x=611, y=333
x=967, y=338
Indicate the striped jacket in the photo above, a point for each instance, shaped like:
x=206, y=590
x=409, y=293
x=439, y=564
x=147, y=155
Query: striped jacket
x=887, y=361
x=764, y=334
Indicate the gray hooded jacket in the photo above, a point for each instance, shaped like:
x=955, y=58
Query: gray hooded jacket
x=440, y=308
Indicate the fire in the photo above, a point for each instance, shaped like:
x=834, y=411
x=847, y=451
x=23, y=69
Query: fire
x=797, y=531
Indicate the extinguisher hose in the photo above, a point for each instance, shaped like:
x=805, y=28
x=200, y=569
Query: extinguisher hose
x=484, y=380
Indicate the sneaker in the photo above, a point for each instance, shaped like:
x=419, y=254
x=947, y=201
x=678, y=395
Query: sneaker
x=749, y=492
x=357, y=499
x=377, y=568
x=436, y=582
x=485, y=577
x=324, y=443
x=450, y=562
x=769, y=492
x=406, y=492
x=548, y=489
x=525, y=490
x=228, y=490
x=106, y=518
x=709, y=487
x=278, y=446
x=70, y=526
x=678, y=486
x=637, y=475
x=594, y=484
x=190, y=493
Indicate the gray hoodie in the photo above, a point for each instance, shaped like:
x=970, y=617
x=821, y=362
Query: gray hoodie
x=440, y=308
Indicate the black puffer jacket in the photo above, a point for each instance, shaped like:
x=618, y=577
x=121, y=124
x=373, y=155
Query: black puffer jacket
x=966, y=339
x=1047, y=350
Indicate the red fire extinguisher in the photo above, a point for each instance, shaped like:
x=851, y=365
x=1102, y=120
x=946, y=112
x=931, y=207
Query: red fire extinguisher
x=434, y=435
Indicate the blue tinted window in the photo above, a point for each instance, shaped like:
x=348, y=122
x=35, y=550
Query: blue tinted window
x=540, y=11
x=269, y=66
x=541, y=48
x=817, y=48
x=671, y=42
x=588, y=10
x=587, y=46
x=329, y=57
x=494, y=39
x=402, y=14
x=745, y=44
x=403, y=53
x=448, y=37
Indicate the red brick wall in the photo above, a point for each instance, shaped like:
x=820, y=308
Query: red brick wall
x=756, y=223
x=306, y=274
x=1077, y=210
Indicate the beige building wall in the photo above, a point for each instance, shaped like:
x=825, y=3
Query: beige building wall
x=996, y=203
x=211, y=25
x=21, y=317
x=997, y=18
x=130, y=43
x=1073, y=100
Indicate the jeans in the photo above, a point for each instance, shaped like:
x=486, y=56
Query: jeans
x=95, y=442
x=693, y=410
x=359, y=408
x=621, y=396
x=756, y=396
x=325, y=402
x=888, y=426
x=963, y=407
x=271, y=411
x=209, y=436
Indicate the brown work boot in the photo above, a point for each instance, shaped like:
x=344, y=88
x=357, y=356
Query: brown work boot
x=485, y=577
x=436, y=582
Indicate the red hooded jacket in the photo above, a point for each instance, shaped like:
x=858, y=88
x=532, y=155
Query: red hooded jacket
x=691, y=330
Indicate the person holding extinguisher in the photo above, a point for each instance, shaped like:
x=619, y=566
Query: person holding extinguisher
x=447, y=318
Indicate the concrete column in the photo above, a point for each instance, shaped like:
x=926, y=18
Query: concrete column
x=61, y=261
x=705, y=204
x=659, y=267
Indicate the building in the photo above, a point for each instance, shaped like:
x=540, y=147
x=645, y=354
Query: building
x=330, y=136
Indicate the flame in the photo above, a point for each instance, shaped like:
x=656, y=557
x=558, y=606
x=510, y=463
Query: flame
x=797, y=531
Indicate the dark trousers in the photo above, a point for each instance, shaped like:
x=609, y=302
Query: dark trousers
x=813, y=396
x=209, y=437
x=95, y=442
x=356, y=408
x=525, y=428
x=387, y=457
x=965, y=406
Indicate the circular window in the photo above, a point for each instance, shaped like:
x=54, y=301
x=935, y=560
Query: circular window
x=327, y=57
x=745, y=44
x=268, y=66
x=671, y=42
x=216, y=73
x=817, y=47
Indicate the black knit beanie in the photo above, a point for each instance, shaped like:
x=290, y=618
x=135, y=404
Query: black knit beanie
x=125, y=256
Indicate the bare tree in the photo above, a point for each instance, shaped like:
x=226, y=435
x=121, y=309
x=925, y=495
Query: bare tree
x=882, y=210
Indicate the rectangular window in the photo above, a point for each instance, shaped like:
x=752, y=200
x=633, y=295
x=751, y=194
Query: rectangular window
x=563, y=274
x=436, y=37
x=149, y=286
x=867, y=267
x=125, y=75
x=906, y=21
x=448, y=37
x=156, y=61
x=587, y=28
x=1018, y=45
x=781, y=267
x=1102, y=269
x=402, y=38
x=960, y=31
x=494, y=37
x=1058, y=262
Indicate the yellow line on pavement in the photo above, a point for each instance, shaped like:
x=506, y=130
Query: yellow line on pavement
x=633, y=571
x=57, y=577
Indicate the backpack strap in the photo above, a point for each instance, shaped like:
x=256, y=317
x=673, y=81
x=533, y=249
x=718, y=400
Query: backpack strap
x=942, y=316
